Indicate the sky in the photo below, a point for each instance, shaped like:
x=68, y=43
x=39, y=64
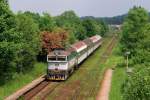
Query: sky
x=97, y=8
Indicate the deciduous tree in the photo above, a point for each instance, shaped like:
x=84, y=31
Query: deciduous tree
x=137, y=85
x=7, y=45
x=133, y=27
x=30, y=42
x=53, y=40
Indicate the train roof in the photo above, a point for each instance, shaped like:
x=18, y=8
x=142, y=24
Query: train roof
x=59, y=52
x=95, y=38
x=71, y=49
x=79, y=46
x=87, y=41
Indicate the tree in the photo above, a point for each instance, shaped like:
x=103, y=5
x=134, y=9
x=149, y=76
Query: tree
x=53, y=40
x=104, y=26
x=35, y=16
x=133, y=26
x=46, y=23
x=137, y=85
x=142, y=50
x=91, y=26
x=7, y=45
x=136, y=38
x=70, y=21
x=100, y=25
x=30, y=42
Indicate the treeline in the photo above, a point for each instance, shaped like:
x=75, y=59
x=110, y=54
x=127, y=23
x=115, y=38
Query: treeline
x=116, y=20
x=24, y=37
x=136, y=39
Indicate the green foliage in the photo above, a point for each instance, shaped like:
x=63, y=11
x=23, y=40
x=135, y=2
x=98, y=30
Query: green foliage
x=104, y=27
x=72, y=38
x=136, y=38
x=143, y=48
x=19, y=42
x=6, y=17
x=7, y=65
x=35, y=16
x=92, y=27
x=30, y=42
x=72, y=22
x=119, y=76
x=7, y=46
x=137, y=85
x=116, y=20
x=133, y=27
x=135, y=30
x=21, y=80
x=20, y=38
x=47, y=23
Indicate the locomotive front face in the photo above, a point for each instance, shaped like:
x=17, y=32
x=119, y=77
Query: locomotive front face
x=57, y=67
x=57, y=63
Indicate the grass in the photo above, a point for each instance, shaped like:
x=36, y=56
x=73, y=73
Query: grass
x=88, y=75
x=119, y=74
x=118, y=79
x=21, y=80
x=115, y=57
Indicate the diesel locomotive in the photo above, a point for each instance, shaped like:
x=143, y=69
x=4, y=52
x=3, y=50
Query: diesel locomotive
x=62, y=63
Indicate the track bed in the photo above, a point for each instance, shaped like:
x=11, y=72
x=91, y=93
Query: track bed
x=84, y=82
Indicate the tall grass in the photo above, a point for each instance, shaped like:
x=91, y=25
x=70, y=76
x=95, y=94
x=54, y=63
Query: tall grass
x=119, y=73
x=22, y=79
x=117, y=81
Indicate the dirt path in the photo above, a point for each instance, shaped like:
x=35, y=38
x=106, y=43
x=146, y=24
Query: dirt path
x=103, y=93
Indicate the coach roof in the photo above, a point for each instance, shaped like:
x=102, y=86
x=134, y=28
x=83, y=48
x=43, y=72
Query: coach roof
x=79, y=46
x=95, y=38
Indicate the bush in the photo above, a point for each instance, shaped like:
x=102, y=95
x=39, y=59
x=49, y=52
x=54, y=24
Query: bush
x=137, y=85
x=7, y=65
x=30, y=42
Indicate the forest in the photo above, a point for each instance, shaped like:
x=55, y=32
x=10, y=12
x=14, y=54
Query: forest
x=27, y=37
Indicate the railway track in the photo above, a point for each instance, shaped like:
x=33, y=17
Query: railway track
x=108, y=51
x=44, y=92
x=74, y=88
x=37, y=88
x=31, y=93
x=45, y=88
x=103, y=58
x=40, y=91
x=71, y=91
x=106, y=55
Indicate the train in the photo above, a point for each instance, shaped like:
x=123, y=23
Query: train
x=62, y=63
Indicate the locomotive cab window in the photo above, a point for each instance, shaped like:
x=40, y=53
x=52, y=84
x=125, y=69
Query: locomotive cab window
x=52, y=58
x=61, y=58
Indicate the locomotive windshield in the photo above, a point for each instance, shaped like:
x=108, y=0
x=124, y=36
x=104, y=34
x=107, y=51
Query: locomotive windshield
x=57, y=58
x=61, y=58
x=52, y=58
